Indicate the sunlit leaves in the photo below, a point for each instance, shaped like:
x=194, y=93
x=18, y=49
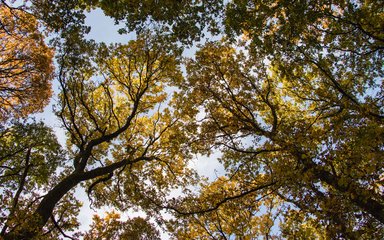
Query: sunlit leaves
x=291, y=97
x=114, y=107
x=111, y=227
x=296, y=125
x=26, y=68
x=229, y=211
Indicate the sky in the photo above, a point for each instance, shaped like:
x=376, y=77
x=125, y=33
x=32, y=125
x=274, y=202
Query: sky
x=103, y=29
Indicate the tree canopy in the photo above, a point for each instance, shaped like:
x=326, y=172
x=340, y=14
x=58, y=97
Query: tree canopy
x=291, y=98
x=26, y=69
x=111, y=227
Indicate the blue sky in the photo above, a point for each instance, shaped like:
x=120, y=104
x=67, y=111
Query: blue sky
x=104, y=29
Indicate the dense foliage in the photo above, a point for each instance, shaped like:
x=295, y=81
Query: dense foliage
x=26, y=68
x=291, y=98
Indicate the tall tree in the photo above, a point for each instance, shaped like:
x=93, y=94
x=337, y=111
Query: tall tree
x=26, y=68
x=295, y=106
x=292, y=97
x=120, y=138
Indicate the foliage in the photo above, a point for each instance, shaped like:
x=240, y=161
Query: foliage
x=26, y=68
x=228, y=217
x=305, y=118
x=111, y=227
x=29, y=159
x=292, y=98
x=121, y=143
x=184, y=20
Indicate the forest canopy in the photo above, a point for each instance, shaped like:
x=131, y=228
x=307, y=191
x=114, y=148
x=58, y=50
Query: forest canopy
x=26, y=69
x=291, y=99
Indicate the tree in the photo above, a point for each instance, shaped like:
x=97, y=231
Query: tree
x=292, y=97
x=29, y=159
x=26, y=68
x=297, y=121
x=120, y=145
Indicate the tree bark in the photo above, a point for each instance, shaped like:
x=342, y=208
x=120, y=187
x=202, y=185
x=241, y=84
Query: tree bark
x=361, y=197
x=45, y=209
x=47, y=205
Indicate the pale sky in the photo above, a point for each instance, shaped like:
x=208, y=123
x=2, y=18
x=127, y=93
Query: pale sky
x=103, y=29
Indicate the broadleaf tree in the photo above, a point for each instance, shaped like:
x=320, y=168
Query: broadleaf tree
x=295, y=105
x=118, y=131
x=291, y=97
x=288, y=137
x=26, y=68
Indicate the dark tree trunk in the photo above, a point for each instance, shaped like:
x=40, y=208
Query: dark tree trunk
x=46, y=206
x=45, y=209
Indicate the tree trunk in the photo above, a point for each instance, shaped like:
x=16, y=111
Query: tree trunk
x=45, y=209
x=362, y=198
